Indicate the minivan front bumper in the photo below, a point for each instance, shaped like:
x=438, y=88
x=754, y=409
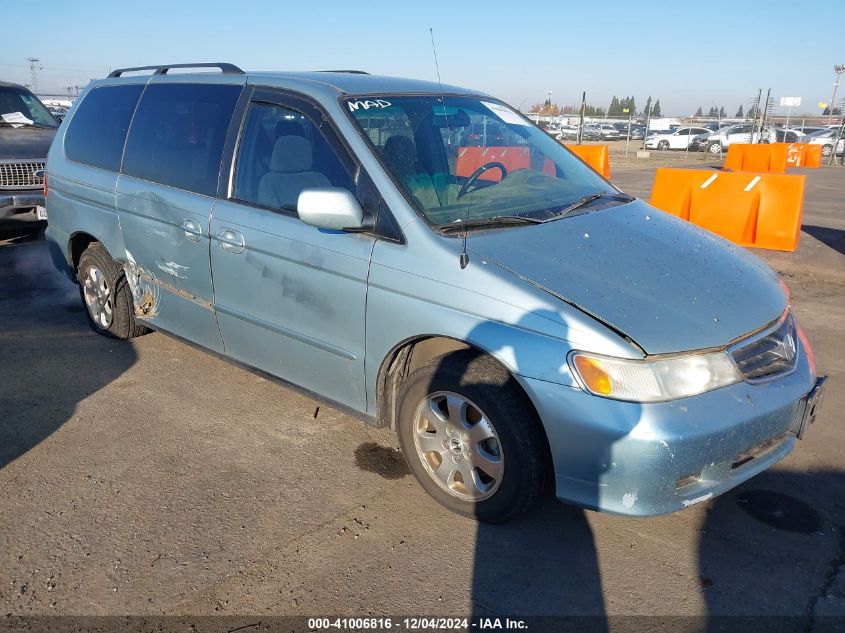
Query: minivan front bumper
x=648, y=459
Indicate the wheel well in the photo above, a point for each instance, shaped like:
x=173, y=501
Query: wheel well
x=78, y=243
x=402, y=361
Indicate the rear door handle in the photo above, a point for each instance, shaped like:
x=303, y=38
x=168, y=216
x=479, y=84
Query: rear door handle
x=231, y=241
x=192, y=230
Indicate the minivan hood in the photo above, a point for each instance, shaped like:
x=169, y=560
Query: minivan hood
x=663, y=282
x=26, y=143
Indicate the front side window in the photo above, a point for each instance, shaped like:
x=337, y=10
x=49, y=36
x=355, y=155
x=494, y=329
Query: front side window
x=178, y=133
x=21, y=107
x=281, y=153
x=467, y=158
x=97, y=132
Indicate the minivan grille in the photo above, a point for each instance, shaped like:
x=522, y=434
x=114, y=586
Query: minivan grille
x=771, y=355
x=21, y=175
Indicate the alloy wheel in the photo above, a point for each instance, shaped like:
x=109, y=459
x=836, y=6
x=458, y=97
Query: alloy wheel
x=458, y=446
x=98, y=298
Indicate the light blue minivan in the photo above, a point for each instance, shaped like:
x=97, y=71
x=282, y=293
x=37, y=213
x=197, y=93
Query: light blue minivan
x=427, y=257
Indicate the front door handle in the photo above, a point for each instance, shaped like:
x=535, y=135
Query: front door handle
x=231, y=241
x=192, y=230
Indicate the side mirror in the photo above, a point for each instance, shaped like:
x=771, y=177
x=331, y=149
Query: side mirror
x=330, y=208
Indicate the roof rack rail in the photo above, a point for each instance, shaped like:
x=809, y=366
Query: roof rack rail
x=351, y=72
x=227, y=69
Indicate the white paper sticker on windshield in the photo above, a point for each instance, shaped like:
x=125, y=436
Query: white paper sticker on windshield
x=16, y=119
x=505, y=114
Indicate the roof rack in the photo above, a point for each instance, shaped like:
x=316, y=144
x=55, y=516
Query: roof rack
x=351, y=72
x=227, y=69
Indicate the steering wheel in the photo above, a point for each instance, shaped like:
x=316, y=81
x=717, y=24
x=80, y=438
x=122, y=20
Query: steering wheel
x=471, y=180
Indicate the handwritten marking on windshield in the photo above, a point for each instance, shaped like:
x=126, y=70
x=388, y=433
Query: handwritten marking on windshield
x=367, y=104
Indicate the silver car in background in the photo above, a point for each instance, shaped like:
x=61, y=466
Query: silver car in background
x=513, y=316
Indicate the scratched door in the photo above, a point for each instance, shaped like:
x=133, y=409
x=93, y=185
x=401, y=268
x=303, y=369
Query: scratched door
x=290, y=298
x=164, y=200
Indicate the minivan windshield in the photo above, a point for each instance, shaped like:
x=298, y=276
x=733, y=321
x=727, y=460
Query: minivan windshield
x=19, y=106
x=465, y=159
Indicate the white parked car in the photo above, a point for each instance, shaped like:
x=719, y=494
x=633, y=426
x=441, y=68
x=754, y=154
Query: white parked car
x=679, y=139
x=566, y=132
x=605, y=131
x=826, y=138
x=725, y=136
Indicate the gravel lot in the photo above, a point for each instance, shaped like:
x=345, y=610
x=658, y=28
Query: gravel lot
x=151, y=478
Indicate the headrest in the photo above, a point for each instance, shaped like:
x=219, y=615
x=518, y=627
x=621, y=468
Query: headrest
x=398, y=153
x=291, y=154
x=289, y=128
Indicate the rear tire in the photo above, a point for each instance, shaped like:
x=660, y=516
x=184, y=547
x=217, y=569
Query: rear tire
x=106, y=295
x=471, y=437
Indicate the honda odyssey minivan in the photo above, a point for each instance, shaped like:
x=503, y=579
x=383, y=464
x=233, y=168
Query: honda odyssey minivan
x=513, y=316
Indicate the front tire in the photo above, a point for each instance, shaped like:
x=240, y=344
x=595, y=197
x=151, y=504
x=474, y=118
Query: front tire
x=106, y=295
x=715, y=148
x=472, y=438
x=664, y=145
x=826, y=150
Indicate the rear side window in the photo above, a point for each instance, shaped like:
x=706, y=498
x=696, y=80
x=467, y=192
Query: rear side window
x=97, y=131
x=178, y=133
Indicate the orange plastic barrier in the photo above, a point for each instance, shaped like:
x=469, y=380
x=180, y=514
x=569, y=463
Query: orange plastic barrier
x=796, y=154
x=803, y=154
x=760, y=210
x=812, y=155
x=768, y=157
x=471, y=158
x=596, y=156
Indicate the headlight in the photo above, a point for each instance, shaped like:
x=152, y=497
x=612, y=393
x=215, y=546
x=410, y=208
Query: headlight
x=653, y=380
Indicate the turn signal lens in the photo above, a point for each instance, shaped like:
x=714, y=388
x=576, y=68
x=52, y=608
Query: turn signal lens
x=594, y=375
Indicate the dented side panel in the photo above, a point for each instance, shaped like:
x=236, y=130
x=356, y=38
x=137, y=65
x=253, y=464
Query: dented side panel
x=165, y=258
x=292, y=302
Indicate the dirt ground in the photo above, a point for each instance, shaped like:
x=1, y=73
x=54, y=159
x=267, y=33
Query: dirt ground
x=149, y=478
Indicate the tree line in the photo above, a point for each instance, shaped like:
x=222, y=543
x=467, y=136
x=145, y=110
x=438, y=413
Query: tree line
x=627, y=106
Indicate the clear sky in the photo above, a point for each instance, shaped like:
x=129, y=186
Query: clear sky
x=687, y=54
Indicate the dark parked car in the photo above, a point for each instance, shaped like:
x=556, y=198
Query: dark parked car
x=26, y=131
x=57, y=111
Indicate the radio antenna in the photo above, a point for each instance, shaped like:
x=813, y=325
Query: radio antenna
x=464, y=254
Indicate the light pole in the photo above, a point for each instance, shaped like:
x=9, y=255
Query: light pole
x=34, y=67
x=838, y=69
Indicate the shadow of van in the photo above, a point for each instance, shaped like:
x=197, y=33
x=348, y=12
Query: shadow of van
x=50, y=359
x=772, y=554
x=543, y=563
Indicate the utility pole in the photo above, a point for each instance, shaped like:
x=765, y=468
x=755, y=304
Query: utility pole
x=764, y=116
x=840, y=137
x=838, y=69
x=755, y=109
x=581, y=122
x=33, y=71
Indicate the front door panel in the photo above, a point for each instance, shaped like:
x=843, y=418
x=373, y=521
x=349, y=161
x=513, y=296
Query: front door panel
x=290, y=298
x=291, y=302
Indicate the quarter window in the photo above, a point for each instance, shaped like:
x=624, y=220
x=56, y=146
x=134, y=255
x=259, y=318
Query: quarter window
x=282, y=153
x=98, y=129
x=178, y=133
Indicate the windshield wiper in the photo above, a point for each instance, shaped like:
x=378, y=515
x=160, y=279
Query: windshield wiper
x=498, y=220
x=587, y=200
